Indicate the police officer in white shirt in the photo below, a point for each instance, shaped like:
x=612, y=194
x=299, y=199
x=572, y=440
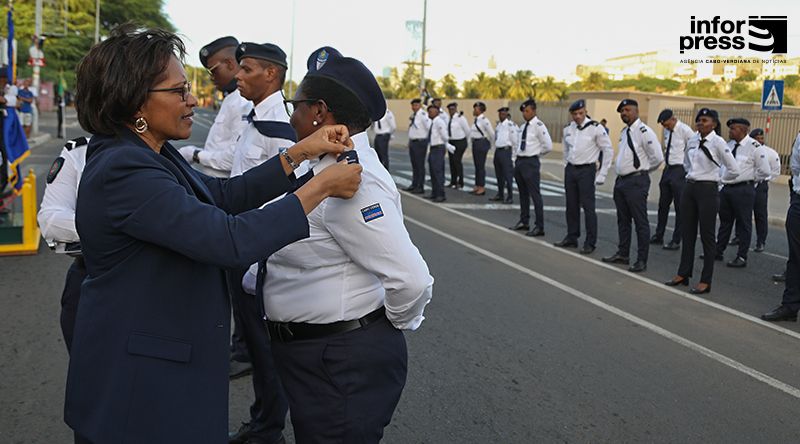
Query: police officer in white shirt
x=506, y=138
x=638, y=153
x=57, y=222
x=457, y=132
x=215, y=158
x=337, y=302
x=418, y=126
x=383, y=130
x=584, y=141
x=706, y=152
x=760, y=212
x=534, y=142
x=482, y=134
x=438, y=143
x=676, y=136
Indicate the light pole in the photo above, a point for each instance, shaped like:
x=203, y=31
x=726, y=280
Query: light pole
x=36, y=81
x=96, y=22
x=424, y=27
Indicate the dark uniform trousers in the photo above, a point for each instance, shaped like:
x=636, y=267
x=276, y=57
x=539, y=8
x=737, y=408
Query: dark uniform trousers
x=671, y=187
x=736, y=204
x=456, y=164
x=382, y=148
x=504, y=170
x=791, y=294
x=436, y=167
x=630, y=198
x=760, y=213
x=268, y=411
x=343, y=388
x=480, y=148
x=70, y=298
x=417, y=148
x=528, y=176
x=699, y=206
x=579, y=187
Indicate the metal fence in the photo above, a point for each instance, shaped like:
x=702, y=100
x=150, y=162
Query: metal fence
x=555, y=116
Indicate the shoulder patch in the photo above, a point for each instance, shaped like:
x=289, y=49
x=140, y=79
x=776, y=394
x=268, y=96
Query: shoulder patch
x=756, y=144
x=273, y=128
x=594, y=123
x=372, y=212
x=55, y=169
x=76, y=142
x=540, y=123
x=643, y=129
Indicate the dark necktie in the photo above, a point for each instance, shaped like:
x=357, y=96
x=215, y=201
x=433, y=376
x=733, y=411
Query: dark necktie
x=704, y=148
x=524, y=137
x=379, y=125
x=669, y=144
x=734, y=149
x=449, y=128
x=636, y=162
x=430, y=131
x=251, y=115
x=411, y=122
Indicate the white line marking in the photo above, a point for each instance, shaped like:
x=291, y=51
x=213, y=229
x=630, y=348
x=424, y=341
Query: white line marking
x=722, y=359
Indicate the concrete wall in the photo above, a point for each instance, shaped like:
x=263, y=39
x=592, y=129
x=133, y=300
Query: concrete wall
x=402, y=109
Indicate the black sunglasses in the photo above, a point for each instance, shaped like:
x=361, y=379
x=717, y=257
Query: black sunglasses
x=294, y=102
x=184, y=90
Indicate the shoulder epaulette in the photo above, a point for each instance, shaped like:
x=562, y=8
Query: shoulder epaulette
x=76, y=142
x=276, y=129
x=594, y=123
x=643, y=129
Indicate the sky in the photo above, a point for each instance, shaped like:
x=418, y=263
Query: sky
x=548, y=38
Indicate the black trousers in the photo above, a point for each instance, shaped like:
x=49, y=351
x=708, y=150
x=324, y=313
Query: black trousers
x=504, y=171
x=699, y=205
x=344, y=388
x=417, y=148
x=456, y=164
x=630, y=198
x=268, y=411
x=527, y=173
x=736, y=204
x=579, y=187
x=761, y=213
x=382, y=148
x=70, y=298
x=480, y=149
x=670, y=187
x=436, y=167
x=791, y=293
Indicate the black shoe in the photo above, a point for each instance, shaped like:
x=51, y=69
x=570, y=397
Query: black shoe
x=759, y=248
x=240, y=436
x=780, y=277
x=700, y=288
x=409, y=189
x=565, y=243
x=496, y=198
x=508, y=200
x=536, y=232
x=734, y=241
x=672, y=246
x=451, y=185
x=718, y=257
x=587, y=249
x=239, y=369
x=677, y=280
x=638, y=267
x=656, y=240
x=439, y=199
x=520, y=227
x=739, y=262
x=617, y=259
x=781, y=313
x=429, y=196
x=418, y=191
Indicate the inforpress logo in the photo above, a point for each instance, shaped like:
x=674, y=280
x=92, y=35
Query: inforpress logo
x=758, y=33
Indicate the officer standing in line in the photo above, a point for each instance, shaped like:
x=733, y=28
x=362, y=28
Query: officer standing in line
x=482, y=134
x=506, y=138
x=438, y=142
x=584, y=142
x=457, y=131
x=260, y=80
x=418, y=126
x=760, y=208
x=216, y=157
x=638, y=153
x=737, y=196
x=383, y=130
x=676, y=136
x=535, y=141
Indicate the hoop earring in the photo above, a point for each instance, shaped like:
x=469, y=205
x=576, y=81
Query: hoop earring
x=140, y=125
x=314, y=123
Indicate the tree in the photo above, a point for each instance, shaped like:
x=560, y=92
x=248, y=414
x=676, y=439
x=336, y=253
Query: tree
x=406, y=85
x=469, y=89
x=703, y=88
x=448, y=86
x=594, y=82
x=521, y=85
x=386, y=86
x=550, y=90
x=486, y=86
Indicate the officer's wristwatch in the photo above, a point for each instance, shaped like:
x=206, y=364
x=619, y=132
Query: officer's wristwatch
x=195, y=157
x=285, y=153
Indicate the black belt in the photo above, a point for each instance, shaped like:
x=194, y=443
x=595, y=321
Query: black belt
x=583, y=165
x=672, y=167
x=298, y=331
x=635, y=173
x=503, y=148
x=702, y=181
x=418, y=140
x=535, y=156
x=745, y=182
x=479, y=138
x=458, y=140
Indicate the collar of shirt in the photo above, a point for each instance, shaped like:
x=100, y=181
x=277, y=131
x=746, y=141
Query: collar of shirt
x=267, y=108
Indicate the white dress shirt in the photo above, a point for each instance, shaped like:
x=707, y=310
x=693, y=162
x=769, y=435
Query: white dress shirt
x=505, y=135
x=10, y=93
x=439, y=132
x=677, y=140
x=537, y=139
x=386, y=125
x=774, y=160
x=418, y=125
x=253, y=148
x=57, y=212
x=699, y=167
x=357, y=258
x=751, y=160
x=583, y=144
x=645, y=143
x=457, y=126
x=481, y=128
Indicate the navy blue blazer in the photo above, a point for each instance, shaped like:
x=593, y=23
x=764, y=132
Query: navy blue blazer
x=149, y=362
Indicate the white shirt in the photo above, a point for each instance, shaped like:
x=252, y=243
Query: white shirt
x=537, y=139
x=699, y=167
x=357, y=258
x=253, y=148
x=751, y=160
x=677, y=144
x=438, y=131
x=774, y=160
x=645, y=143
x=386, y=125
x=505, y=135
x=458, y=127
x=57, y=212
x=418, y=125
x=481, y=128
x=10, y=94
x=794, y=164
x=583, y=144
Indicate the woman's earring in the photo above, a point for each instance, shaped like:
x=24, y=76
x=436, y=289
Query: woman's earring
x=140, y=125
x=314, y=123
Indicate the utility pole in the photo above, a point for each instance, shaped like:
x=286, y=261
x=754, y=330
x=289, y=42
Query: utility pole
x=291, y=53
x=36, y=81
x=96, y=22
x=424, y=27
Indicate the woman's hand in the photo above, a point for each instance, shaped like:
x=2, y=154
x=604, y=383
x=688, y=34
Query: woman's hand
x=338, y=180
x=328, y=139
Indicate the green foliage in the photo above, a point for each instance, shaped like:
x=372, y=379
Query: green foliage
x=703, y=88
x=550, y=90
x=791, y=81
x=449, y=87
x=748, y=76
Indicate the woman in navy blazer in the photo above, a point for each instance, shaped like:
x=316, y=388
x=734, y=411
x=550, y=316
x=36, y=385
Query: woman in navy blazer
x=149, y=361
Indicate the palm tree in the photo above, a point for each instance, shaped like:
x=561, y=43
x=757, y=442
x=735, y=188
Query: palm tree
x=448, y=86
x=521, y=85
x=594, y=82
x=503, y=80
x=549, y=90
x=487, y=86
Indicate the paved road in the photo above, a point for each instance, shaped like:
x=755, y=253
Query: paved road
x=523, y=342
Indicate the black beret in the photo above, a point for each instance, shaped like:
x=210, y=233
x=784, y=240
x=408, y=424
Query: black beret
x=452, y=105
x=739, y=120
x=576, y=105
x=479, y=104
x=757, y=132
x=264, y=51
x=707, y=112
x=437, y=98
x=529, y=102
x=320, y=57
x=353, y=76
x=413, y=101
x=665, y=115
x=212, y=48
x=626, y=102
x=505, y=108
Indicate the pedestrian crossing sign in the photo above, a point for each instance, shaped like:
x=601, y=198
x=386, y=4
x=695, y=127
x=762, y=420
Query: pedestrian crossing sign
x=772, y=96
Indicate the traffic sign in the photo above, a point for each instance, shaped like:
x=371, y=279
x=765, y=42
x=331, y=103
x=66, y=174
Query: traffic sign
x=772, y=96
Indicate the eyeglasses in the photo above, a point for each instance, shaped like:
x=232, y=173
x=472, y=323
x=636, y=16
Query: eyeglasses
x=184, y=90
x=210, y=71
x=291, y=104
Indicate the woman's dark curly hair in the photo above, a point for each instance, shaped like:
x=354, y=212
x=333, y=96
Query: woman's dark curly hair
x=113, y=78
